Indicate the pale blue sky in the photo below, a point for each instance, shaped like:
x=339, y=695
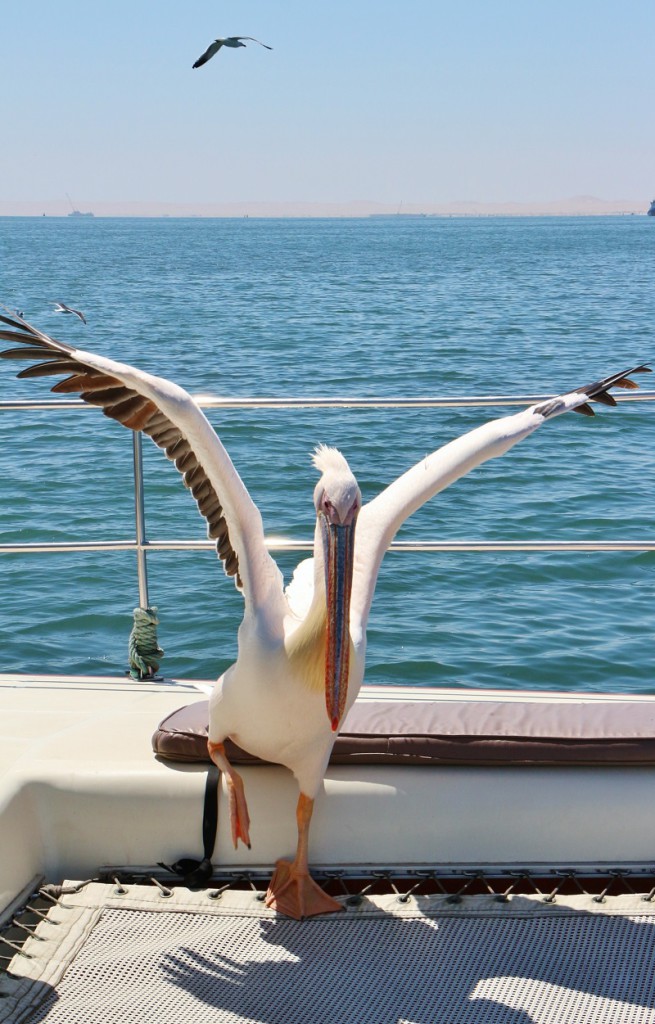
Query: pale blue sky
x=419, y=101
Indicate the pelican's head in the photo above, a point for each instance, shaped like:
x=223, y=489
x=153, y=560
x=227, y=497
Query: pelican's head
x=337, y=499
x=337, y=495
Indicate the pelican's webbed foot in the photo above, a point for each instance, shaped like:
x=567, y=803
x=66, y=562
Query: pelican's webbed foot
x=293, y=892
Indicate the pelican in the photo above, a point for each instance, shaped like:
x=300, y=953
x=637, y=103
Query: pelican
x=233, y=41
x=301, y=651
x=61, y=307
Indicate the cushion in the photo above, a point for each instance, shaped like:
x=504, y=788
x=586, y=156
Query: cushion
x=456, y=732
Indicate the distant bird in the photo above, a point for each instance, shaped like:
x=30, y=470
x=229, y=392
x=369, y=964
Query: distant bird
x=233, y=41
x=61, y=307
x=301, y=649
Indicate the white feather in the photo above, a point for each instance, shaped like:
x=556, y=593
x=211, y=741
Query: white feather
x=300, y=590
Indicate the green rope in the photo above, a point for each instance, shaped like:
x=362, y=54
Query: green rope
x=144, y=651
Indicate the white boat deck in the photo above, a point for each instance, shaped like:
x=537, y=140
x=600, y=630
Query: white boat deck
x=81, y=789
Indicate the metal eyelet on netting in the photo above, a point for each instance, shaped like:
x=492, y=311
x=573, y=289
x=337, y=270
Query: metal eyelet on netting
x=164, y=891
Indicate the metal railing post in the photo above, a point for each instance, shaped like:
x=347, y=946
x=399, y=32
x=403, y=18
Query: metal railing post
x=140, y=521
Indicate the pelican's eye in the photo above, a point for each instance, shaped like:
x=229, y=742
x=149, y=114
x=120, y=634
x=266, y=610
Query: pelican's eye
x=328, y=508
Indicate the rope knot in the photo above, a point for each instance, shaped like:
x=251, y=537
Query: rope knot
x=145, y=654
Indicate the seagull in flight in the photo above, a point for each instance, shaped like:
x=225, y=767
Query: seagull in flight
x=233, y=41
x=61, y=307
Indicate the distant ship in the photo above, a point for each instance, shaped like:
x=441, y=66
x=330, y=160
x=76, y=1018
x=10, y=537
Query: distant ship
x=77, y=213
x=651, y=212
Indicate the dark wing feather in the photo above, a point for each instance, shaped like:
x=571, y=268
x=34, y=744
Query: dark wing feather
x=133, y=410
x=210, y=52
x=597, y=392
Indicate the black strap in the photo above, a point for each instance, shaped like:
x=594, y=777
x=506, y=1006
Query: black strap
x=210, y=811
x=196, y=873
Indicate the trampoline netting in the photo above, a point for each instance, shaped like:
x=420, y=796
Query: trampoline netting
x=104, y=957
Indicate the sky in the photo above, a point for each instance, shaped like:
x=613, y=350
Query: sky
x=418, y=101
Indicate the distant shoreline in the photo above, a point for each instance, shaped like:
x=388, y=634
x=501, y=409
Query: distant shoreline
x=317, y=216
x=578, y=206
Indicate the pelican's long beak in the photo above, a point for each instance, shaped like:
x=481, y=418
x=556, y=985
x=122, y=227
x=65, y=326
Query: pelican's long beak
x=339, y=544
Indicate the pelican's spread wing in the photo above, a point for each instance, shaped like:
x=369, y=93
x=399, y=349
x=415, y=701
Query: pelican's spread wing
x=381, y=518
x=175, y=423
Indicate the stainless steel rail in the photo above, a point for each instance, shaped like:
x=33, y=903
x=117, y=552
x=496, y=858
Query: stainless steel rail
x=141, y=545
x=283, y=544
x=140, y=522
x=213, y=402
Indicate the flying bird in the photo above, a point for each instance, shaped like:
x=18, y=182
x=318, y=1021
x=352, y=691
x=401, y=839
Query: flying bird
x=233, y=41
x=61, y=307
x=301, y=650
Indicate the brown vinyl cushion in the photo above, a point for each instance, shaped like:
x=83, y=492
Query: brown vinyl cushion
x=452, y=732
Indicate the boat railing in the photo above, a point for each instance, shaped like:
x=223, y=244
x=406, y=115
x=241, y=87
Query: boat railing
x=141, y=544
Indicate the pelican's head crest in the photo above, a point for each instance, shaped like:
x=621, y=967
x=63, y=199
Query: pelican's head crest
x=328, y=459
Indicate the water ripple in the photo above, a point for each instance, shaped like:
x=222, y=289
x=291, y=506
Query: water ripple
x=377, y=308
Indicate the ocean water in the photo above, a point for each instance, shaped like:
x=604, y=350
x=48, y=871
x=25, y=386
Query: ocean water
x=381, y=308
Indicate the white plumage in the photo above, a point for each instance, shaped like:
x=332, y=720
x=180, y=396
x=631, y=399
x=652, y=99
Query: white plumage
x=301, y=652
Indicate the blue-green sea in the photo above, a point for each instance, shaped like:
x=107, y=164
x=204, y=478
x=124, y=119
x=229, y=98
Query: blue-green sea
x=396, y=307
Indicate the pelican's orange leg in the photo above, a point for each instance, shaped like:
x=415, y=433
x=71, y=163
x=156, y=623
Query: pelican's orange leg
x=239, y=817
x=292, y=890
